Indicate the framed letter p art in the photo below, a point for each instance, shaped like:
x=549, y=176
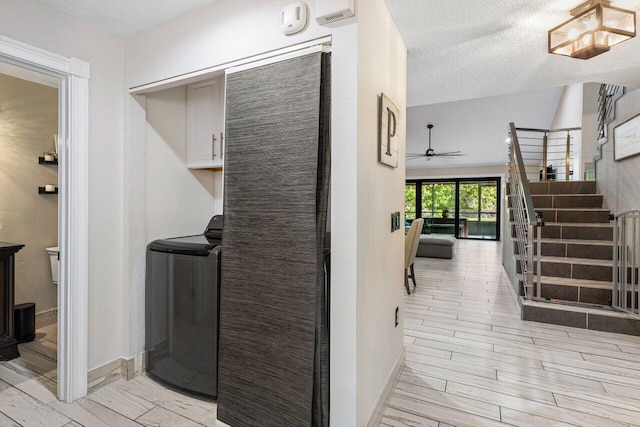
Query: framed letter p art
x=389, y=127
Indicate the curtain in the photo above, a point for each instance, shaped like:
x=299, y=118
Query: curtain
x=273, y=352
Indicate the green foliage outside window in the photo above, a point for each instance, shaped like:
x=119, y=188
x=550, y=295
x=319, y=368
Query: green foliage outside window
x=437, y=197
x=410, y=202
x=478, y=200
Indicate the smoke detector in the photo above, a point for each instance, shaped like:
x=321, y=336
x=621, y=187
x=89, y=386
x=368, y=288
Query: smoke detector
x=293, y=18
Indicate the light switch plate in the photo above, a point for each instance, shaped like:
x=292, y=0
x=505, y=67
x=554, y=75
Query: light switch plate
x=395, y=221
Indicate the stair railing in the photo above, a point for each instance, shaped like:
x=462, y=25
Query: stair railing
x=555, y=146
x=626, y=250
x=525, y=219
x=607, y=95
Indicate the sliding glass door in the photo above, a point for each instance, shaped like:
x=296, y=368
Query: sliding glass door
x=463, y=208
x=438, y=207
x=479, y=207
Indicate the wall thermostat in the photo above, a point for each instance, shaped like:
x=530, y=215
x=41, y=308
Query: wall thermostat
x=293, y=18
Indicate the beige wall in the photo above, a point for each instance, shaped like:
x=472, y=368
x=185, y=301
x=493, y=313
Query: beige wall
x=382, y=68
x=619, y=182
x=28, y=121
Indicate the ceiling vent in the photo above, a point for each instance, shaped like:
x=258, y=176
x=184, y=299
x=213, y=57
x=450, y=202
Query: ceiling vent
x=330, y=11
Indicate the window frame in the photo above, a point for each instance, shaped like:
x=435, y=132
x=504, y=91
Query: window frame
x=456, y=214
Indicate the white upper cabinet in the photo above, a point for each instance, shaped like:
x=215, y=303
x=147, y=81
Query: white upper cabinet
x=205, y=124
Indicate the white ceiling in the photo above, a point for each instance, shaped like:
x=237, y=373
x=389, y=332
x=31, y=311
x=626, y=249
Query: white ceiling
x=477, y=127
x=463, y=49
x=125, y=17
x=457, y=50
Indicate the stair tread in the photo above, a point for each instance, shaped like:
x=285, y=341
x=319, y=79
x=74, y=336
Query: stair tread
x=567, y=260
x=565, y=281
x=574, y=209
x=579, y=242
x=566, y=194
x=607, y=243
x=574, y=224
x=580, y=224
x=584, y=283
x=560, y=182
x=574, y=308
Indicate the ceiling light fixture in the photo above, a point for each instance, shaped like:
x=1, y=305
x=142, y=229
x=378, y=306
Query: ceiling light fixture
x=594, y=28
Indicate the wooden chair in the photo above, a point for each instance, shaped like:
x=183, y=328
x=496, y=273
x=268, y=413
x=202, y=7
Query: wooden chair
x=411, y=241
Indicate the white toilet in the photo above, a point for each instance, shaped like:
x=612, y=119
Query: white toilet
x=53, y=257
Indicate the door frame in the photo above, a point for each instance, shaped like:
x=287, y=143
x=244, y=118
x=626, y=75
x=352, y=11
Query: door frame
x=73, y=172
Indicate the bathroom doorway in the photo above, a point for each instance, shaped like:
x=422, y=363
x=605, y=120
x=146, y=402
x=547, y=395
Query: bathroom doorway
x=72, y=77
x=29, y=207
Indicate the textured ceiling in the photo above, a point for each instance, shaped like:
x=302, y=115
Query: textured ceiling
x=125, y=17
x=457, y=50
x=463, y=49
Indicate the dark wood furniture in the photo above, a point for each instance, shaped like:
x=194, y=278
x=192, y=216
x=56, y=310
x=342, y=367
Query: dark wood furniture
x=8, y=343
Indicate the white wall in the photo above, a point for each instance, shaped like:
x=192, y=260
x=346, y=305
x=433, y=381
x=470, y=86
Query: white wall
x=32, y=22
x=209, y=36
x=619, y=182
x=441, y=171
x=216, y=34
x=476, y=127
x=590, y=94
x=213, y=35
x=382, y=67
x=568, y=115
x=179, y=201
x=344, y=225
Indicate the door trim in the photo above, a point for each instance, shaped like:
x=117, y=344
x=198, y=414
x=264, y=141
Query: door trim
x=73, y=172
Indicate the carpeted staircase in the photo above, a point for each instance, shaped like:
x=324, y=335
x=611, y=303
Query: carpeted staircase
x=576, y=265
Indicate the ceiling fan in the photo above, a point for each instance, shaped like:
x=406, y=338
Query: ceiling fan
x=431, y=153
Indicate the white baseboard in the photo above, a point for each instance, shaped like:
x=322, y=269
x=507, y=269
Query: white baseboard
x=110, y=372
x=378, y=410
x=512, y=291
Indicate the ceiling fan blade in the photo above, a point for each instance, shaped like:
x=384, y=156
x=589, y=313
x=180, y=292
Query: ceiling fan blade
x=415, y=157
x=431, y=153
x=414, y=154
x=451, y=153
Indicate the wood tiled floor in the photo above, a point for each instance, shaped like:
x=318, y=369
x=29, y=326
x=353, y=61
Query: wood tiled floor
x=471, y=361
x=28, y=396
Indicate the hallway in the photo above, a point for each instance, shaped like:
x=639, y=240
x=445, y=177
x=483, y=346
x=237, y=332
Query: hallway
x=471, y=361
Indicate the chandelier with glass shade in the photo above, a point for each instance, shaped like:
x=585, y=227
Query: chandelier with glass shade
x=595, y=26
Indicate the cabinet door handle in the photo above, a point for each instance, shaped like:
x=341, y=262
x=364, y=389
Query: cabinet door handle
x=213, y=146
x=221, y=147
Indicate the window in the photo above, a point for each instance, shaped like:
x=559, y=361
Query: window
x=479, y=205
x=410, y=202
x=464, y=208
x=438, y=199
